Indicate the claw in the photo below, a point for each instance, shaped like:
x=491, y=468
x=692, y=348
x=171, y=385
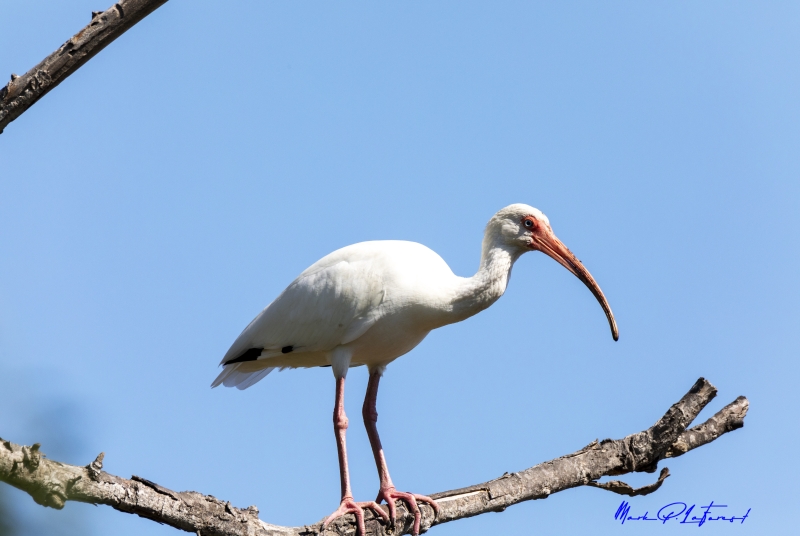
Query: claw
x=390, y=495
x=349, y=506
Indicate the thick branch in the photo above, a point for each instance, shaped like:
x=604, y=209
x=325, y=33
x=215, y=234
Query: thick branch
x=52, y=483
x=23, y=91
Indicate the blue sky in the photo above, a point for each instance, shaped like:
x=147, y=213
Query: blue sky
x=153, y=203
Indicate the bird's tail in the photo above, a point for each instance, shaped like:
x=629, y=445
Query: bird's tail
x=231, y=376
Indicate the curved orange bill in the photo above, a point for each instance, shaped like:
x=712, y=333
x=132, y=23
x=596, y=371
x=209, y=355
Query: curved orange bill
x=548, y=243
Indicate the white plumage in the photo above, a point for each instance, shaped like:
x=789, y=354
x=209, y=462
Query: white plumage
x=366, y=304
x=370, y=303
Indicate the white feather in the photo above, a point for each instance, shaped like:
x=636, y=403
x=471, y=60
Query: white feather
x=370, y=303
x=231, y=376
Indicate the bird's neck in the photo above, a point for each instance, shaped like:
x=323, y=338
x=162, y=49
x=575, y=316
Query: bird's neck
x=476, y=293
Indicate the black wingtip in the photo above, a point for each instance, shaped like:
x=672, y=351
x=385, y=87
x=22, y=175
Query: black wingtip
x=250, y=355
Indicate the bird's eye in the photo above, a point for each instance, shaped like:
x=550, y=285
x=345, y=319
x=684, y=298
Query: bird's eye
x=528, y=223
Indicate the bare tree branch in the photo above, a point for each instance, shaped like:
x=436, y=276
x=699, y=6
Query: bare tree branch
x=625, y=489
x=23, y=91
x=52, y=483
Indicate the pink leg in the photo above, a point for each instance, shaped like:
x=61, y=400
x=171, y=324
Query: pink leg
x=387, y=490
x=348, y=505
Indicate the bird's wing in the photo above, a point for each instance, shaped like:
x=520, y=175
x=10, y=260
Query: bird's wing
x=231, y=376
x=329, y=304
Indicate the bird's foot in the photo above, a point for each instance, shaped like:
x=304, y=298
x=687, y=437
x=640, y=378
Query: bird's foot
x=349, y=506
x=390, y=495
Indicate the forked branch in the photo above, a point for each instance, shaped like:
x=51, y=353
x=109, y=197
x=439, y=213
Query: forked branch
x=51, y=483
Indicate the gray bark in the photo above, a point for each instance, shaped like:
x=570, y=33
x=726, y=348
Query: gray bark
x=51, y=483
x=23, y=91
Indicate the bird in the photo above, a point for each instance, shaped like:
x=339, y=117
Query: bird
x=372, y=302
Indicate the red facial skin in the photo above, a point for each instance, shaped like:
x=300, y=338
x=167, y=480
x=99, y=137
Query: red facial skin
x=535, y=225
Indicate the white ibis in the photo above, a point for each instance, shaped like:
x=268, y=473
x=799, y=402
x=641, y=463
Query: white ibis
x=370, y=303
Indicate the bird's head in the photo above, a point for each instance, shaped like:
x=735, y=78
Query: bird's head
x=523, y=228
